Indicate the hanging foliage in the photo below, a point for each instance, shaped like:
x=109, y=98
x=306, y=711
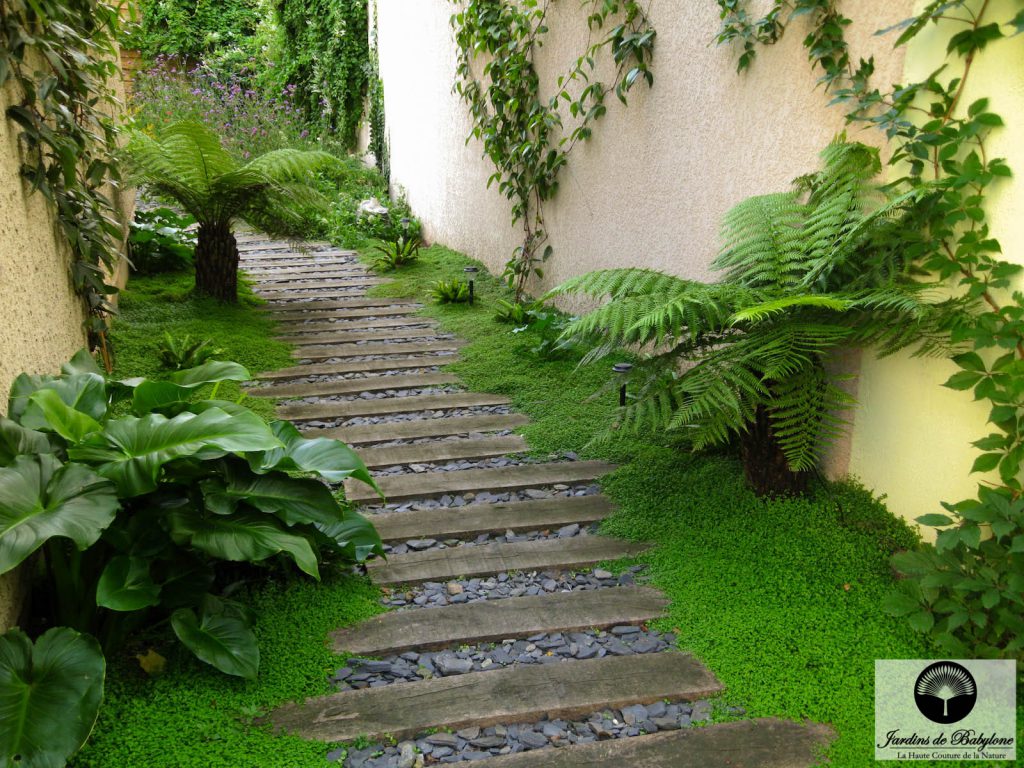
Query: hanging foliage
x=60, y=57
x=524, y=132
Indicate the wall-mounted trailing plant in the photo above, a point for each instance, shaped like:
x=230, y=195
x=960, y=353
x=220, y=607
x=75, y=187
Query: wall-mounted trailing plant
x=967, y=590
x=188, y=30
x=805, y=272
x=378, y=127
x=326, y=55
x=524, y=132
x=59, y=58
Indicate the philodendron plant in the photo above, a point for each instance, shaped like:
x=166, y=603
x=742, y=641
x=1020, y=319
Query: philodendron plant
x=140, y=495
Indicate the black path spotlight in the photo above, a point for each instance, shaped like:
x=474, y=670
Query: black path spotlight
x=471, y=271
x=622, y=369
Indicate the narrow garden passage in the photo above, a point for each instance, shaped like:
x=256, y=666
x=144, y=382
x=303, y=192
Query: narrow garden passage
x=505, y=637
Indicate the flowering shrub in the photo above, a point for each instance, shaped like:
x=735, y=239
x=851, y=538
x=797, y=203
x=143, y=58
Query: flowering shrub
x=249, y=120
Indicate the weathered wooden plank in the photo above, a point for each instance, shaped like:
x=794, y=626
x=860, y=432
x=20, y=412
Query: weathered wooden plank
x=355, y=386
x=360, y=350
x=427, y=485
x=386, y=405
x=291, y=285
x=446, y=450
x=474, y=519
x=326, y=271
x=767, y=743
x=358, y=366
x=289, y=317
x=493, y=620
x=355, y=302
x=410, y=430
x=484, y=559
x=511, y=695
x=292, y=328
x=319, y=338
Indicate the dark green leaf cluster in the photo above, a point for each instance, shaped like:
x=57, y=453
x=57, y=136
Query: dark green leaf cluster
x=188, y=30
x=61, y=57
x=450, y=292
x=397, y=253
x=138, y=515
x=524, y=134
x=805, y=272
x=160, y=241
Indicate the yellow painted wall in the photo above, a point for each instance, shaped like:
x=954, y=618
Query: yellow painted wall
x=912, y=436
x=41, y=317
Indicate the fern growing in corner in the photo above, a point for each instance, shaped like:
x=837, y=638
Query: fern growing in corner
x=805, y=272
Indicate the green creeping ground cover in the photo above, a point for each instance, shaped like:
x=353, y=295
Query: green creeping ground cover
x=190, y=716
x=781, y=599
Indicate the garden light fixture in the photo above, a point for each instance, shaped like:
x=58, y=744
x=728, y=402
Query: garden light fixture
x=622, y=368
x=471, y=271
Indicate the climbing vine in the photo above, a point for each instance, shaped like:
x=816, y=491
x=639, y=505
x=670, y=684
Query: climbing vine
x=378, y=129
x=969, y=588
x=326, y=50
x=56, y=62
x=523, y=131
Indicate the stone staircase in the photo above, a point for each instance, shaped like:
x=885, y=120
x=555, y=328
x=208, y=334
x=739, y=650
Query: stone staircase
x=506, y=644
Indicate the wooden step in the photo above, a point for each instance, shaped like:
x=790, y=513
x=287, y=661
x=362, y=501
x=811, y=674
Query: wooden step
x=442, y=451
x=355, y=386
x=486, y=559
x=386, y=405
x=410, y=430
x=487, y=621
x=361, y=350
x=358, y=366
x=512, y=695
x=265, y=288
x=767, y=743
x=254, y=245
x=268, y=274
x=356, y=302
x=291, y=329
x=319, y=338
x=284, y=316
x=472, y=520
x=431, y=484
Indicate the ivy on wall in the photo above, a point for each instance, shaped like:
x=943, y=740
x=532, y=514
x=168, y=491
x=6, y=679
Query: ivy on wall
x=190, y=29
x=521, y=121
x=378, y=127
x=57, y=59
x=968, y=589
x=325, y=54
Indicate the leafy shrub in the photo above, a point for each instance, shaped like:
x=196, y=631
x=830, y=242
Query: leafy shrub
x=392, y=255
x=805, y=272
x=51, y=695
x=451, y=292
x=191, y=29
x=145, y=515
x=517, y=312
x=550, y=325
x=160, y=241
x=180, y=353
x=399, y=222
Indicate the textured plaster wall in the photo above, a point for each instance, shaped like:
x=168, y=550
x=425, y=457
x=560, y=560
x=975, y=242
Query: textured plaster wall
x=652, y=185
x=912, y=436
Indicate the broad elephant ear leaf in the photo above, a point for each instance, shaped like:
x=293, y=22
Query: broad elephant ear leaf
x=132, y=450
x=222, y=639
x=153, y=396
x=82, y=362
x=331, y=459
x=50, y=695
x=16, y=440
x=210, y=373
x=125, y=585
x=354, y=536
x=83, y=392
x=294, y=500
x=40, y=498
x=46, y=411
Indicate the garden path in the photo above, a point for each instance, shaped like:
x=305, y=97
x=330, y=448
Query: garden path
x=506, y=639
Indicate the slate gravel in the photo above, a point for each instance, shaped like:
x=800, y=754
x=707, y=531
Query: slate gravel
x=456, y=466
x=486, y=497
x=381, y=395
x=509, y=537
x=470, y=744
x=355, y=421
x=433, y=594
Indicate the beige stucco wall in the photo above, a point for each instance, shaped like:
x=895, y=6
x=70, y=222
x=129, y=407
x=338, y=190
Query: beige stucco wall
x=41, y=317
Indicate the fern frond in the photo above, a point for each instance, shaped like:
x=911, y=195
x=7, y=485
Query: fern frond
x=768, y=309
x=763, y=242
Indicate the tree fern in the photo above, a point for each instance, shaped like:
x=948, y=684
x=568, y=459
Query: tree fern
x=804, y=273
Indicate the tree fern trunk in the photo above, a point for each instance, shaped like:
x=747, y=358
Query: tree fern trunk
x=217, y=263
x=764, y=464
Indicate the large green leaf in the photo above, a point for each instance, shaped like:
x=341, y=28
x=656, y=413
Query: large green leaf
x=354, y=536
x=16, y=440
x=210, y=373
x=220, y=639
x=241, y=537
x=46, y=411
x=294, y=500
x=50, y=695
x=132, y=450
x=331, y=459
x=40, y=498
x=84, y=392
x=126, y=585
x=82, y=362
x=150, y=396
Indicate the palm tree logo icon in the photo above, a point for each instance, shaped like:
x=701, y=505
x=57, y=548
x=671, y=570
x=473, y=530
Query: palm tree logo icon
x=945, y=692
